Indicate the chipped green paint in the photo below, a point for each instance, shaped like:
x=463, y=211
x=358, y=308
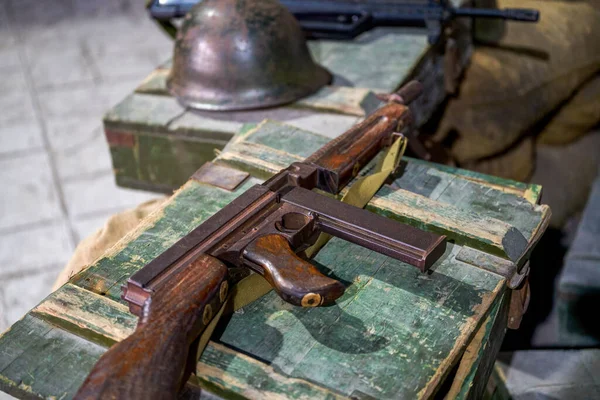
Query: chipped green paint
x=530, y=191
x=462, y=226
x=476, y=367
x=42, y=360
x=189, y=208
x=96, y=318
x=350, y=347
x=88, y=316
x=481, y=194
x=248, y=378
x=471, y=371
x=464, y=203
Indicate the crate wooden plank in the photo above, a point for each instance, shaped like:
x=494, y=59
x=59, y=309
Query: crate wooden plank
x=44, y=361
x=479, y=358
x=191, y=205
x=419, y=329
x=99, y=320
x=413, y=311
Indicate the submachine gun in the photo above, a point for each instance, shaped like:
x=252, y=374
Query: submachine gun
x=264, y=230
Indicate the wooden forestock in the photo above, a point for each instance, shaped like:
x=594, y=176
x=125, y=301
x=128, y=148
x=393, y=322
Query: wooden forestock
x=151, y=363
x=341, y=159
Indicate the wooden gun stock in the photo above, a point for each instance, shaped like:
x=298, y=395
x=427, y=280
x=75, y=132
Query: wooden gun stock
x=151, y=363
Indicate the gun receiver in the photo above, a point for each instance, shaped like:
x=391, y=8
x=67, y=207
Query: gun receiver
x=177, y=294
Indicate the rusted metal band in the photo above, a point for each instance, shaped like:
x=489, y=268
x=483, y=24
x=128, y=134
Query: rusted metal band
x=220, y=176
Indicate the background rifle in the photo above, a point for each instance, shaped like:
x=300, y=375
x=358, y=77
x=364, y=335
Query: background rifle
x=177, y=295
x=346, y=19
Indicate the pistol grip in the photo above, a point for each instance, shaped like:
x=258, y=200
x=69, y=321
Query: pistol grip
x=295, y=280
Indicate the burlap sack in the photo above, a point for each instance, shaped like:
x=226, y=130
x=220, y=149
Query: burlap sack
x=512, y=86
x=100, y=241
x=517, y=163
x=577, y=117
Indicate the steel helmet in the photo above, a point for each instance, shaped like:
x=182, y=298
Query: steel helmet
x=242, y=54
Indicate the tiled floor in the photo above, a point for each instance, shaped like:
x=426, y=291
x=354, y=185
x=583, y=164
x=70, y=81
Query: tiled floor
x=552, y=374
x=63, y=63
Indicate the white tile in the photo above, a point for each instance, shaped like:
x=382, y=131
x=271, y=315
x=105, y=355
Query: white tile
x=38, y=24
x=38, y=36
x=114, y=90
x=16, y=107
x=24, y=293
x=9, y=51
x=70, y=102
x=9, y=57
x=22, y=136
x=87, y=103
x=27, y=195
x=115, y=63
x=27, y=13
x=72, y=131
x=13, y=80
x=99, y=194
x=87, y=8
x=57, y=63
x=126, y=31
x=79, y=150
x=19, y=128
x=34, y=248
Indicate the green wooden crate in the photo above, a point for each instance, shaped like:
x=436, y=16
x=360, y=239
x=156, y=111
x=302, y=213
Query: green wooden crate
x=156, y=144
x=395, y=333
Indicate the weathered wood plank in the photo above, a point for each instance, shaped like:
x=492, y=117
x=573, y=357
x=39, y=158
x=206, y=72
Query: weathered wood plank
x=349, y=343
x=100, y=320
x=450, y=186
x=228, y=373
x=335, y=99
x=401, y=48
x=487, y=261
x=454, y=298
x=192, y=204
x=45, y=361
x=478, y=359
x=529, y=191
x=380, y=60
x=95, y=317
x=470, y=211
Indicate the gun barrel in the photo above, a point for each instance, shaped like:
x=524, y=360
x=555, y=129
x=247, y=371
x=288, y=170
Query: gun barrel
x=513, y=14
